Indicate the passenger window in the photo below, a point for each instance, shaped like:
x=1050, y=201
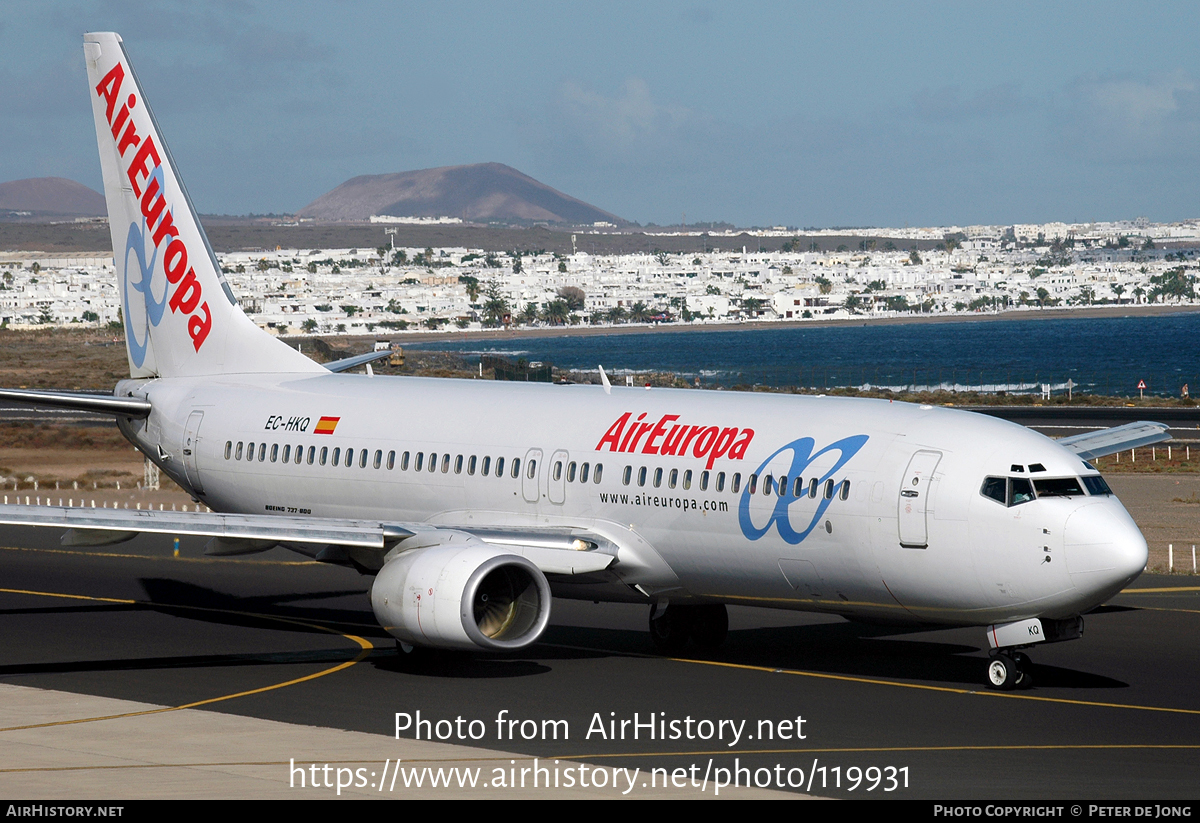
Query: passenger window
x=262, y=452
x=657, y=477
x=445, y=463
x=752, y=485
x=250, y=451
x=557, y=470
x=845, y=489
x=642, y=476
x=516, y=468
x=783, y=489
x=228, y=448
x=704, y=481
x=391, y=461
x=812, y=488
x=531, y=469
x=687, y=479
x=324, y=454
x=1020, y=491
x=362, y=459
x=379, y=457
x=828, y=489
x=487, y=465
x=735, y=482
x=995, y=488
x=287, y=453
x=404, y=462
x=672, y=478
x=432, y=461
x=458, y=463
x=499, y=466
x=571, y=472
x=596, y=474
x=471, y=464
x=720, y=481
x=337, y=456
x=625, y=475
x=419, y=462
x=798, y=487
x=299, y=454
x=312, y=453
x=768, y=485
x=583, y=473
x=274, y=452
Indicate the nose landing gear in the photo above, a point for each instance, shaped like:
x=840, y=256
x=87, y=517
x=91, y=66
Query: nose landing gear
x=1009, y=670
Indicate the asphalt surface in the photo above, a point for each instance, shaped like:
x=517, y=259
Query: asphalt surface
x=1114, y=715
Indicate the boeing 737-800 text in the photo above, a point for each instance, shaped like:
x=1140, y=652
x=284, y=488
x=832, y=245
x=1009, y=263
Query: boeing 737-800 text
x=472, y=501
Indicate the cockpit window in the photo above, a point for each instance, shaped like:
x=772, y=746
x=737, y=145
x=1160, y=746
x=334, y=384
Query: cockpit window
x=995, y=488
x=1096, y=485
x=1020, y=491
x=1058, y=487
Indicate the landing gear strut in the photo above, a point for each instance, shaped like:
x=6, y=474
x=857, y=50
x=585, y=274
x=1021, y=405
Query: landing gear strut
x=1009, y=670
x=672, y=625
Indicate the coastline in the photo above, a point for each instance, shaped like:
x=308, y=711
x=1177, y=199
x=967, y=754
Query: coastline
x=407, y=337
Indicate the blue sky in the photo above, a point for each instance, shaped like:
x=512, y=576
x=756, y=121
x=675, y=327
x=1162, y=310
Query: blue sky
x=846, y=114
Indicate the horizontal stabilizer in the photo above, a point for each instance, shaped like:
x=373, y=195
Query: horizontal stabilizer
x=1118, y=439
x=347, y=363
x=81, y=401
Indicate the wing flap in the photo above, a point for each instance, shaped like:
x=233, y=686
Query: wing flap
x=1117, y=439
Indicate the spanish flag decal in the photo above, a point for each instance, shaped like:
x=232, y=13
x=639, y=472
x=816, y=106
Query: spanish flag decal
x=326, y=425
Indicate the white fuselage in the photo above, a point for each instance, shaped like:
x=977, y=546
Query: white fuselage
x=909, y=539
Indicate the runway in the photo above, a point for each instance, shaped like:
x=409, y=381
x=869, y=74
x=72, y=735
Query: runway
x=1114, y=715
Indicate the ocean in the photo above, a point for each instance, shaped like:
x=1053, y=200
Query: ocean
x=1096, y=355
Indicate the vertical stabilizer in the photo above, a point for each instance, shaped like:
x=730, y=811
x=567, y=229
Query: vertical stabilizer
x=181, y=318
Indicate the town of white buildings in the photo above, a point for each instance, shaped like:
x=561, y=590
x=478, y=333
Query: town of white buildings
x=694, y=278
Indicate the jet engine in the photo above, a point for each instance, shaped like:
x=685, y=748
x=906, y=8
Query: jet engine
x=472, y=596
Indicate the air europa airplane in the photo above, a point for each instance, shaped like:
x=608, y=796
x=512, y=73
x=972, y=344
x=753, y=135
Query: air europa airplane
x=471, y=502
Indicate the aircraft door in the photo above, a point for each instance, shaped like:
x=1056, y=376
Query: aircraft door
x=530, y=475
x=914, y=499
x=556, y=480
x=191, y=445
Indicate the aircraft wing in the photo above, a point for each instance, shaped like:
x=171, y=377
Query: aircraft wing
x=81, y=401
x=1117, y=439
x=347, y=363
x=554, y=551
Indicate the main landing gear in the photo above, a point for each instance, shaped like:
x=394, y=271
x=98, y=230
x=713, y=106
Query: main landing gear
x=672, y=624
x=1009, y=670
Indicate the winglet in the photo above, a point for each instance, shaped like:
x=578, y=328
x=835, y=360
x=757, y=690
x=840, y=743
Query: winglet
x=604, y=381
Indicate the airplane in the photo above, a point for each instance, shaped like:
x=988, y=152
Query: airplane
x=474, y=503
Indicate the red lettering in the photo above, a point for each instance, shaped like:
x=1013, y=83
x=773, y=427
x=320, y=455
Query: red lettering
x=129, y=138
x=167, y=226
x=629, y=433
x=692, y=432
x=705, y=442
x=152, y=203
x=175, y=263
x=671, y=440
x=658, y=432
x=738, y=450
x=121, y=117
x=642, y=429
x=722, y=444
x=187, y=296
x=613, y=436
x=138, y=167
x=110, y=88
x=199, y=329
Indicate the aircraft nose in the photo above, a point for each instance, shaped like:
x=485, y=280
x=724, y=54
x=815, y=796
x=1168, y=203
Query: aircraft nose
x=1104, y=549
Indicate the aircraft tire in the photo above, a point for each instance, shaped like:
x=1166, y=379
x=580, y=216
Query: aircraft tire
x=1024, y=670
x=710, y=625
x=670, y=630
x=1002, y=672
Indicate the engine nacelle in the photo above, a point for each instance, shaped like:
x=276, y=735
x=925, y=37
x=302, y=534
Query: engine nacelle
x=462, y=597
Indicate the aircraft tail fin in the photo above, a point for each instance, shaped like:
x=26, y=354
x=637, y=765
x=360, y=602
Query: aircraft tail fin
x=181, y=318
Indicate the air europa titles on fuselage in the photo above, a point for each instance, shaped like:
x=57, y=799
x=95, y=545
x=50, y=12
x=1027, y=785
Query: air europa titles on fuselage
x=145, y=166
x=668, y=437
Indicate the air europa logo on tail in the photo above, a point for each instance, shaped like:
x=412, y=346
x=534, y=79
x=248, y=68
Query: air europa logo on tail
x=145, y=168
x=668, y=437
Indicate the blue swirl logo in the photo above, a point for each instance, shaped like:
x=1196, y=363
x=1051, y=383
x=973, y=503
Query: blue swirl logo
x=135, y=244
x=802, y=457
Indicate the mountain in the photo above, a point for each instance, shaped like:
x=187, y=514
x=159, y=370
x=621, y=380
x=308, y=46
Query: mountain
x=51, y=197
x=478, y=193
